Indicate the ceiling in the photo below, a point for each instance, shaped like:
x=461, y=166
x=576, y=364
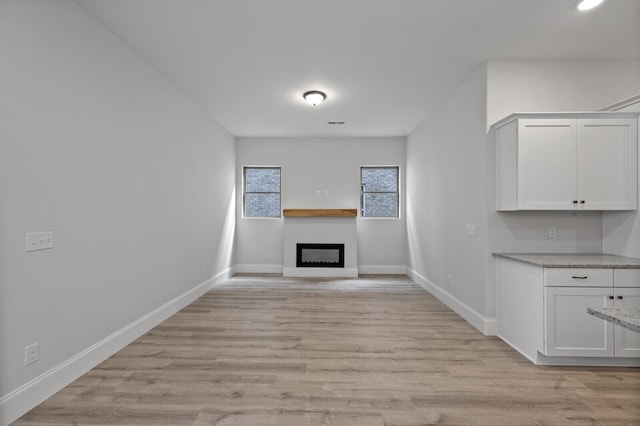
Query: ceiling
x=384, y=64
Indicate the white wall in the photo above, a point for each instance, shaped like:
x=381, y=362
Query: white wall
x=569, y=85
x=308, y=165
x=137, y=183
x=621, y=230
x=445, y=192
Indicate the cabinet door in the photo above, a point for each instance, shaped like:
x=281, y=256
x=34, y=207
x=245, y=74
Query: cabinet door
x=607, y=164
x=547, y=164
x=569, y=329
x=627, y=342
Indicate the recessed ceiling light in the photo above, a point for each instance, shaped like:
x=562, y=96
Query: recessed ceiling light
x=588, y=4
x=314, y=97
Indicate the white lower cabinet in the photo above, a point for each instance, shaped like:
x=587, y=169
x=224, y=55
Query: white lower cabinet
x=542, y=313
x=570, y=331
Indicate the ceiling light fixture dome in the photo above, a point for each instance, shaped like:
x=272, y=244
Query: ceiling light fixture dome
x=314, y=97
x=588, y=4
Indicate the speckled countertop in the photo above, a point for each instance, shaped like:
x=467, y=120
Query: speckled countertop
x=566, y=260
x=624, y=317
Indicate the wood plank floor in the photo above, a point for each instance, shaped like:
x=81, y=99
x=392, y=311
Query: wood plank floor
x=368, y=351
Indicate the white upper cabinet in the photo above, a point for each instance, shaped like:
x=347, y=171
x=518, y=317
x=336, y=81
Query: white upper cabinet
x=546, y=164
x=567, y=161
x=607, y=164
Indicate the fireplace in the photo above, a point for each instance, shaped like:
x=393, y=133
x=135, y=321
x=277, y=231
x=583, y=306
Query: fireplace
x=319, y=255
x=320, y=243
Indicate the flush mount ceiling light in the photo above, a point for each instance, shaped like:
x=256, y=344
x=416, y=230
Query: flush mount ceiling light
x=314, y=97
x=588, y=4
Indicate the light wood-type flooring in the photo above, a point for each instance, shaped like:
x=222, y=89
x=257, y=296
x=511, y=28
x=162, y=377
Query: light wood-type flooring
x=266, y=350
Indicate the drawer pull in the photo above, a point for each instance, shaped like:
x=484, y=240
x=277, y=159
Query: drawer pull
x=620, y=297
x=610, y=297
x=580, y=278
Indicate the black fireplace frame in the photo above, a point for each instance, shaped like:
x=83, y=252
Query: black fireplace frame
x=316, y=246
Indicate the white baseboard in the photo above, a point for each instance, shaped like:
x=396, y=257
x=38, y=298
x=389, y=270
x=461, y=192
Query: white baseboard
x=539, y=359
x=487, y=326
x=278, y=269
x=320, y=272
x=585, y=361
x=530, y=357
x=490, y=326
x=382, y=269
x=19, y=401
x=258, y=268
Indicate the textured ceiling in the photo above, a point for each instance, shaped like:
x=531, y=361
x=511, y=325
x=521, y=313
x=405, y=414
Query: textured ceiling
x=384, y=64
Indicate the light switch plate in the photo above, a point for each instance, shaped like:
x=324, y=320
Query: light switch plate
x=39, y=240
x=470, y=229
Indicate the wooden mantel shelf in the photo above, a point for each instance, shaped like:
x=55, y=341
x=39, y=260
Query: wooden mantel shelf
x=320, y=212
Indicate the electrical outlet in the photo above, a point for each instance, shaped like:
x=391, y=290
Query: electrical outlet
x=449, y=280
x=32, y=353
x=470, y=229
x=317, y=192
x=381, y=257
x=39, y=241
x=326, y=192
x=551, y=232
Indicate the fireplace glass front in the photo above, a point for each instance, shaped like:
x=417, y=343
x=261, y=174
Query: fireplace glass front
x=318, y=255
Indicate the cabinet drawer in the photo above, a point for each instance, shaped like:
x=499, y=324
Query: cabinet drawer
x=578, y=277
x=626, y=277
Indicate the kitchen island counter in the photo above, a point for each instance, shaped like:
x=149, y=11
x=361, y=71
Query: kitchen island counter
x=625, y=317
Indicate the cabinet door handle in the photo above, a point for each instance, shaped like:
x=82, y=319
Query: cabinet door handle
x=582, y=201
x=610, y=297
x=580, y=278
x=575, y=201
x=620, y=297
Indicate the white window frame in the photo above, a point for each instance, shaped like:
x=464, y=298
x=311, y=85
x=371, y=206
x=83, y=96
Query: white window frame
x=244, y=191
x=399, y=182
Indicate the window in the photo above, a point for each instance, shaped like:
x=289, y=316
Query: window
x=262, y=192
x=379, y=196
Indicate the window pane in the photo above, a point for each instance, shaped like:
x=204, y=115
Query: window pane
x=262, y=180
x=380, y=179
x=262, y=204
x=262, y=192
x=380, y=204
x=379, y=191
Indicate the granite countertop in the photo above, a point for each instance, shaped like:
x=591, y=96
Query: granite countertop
x=624, y=317
x=568, y=260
